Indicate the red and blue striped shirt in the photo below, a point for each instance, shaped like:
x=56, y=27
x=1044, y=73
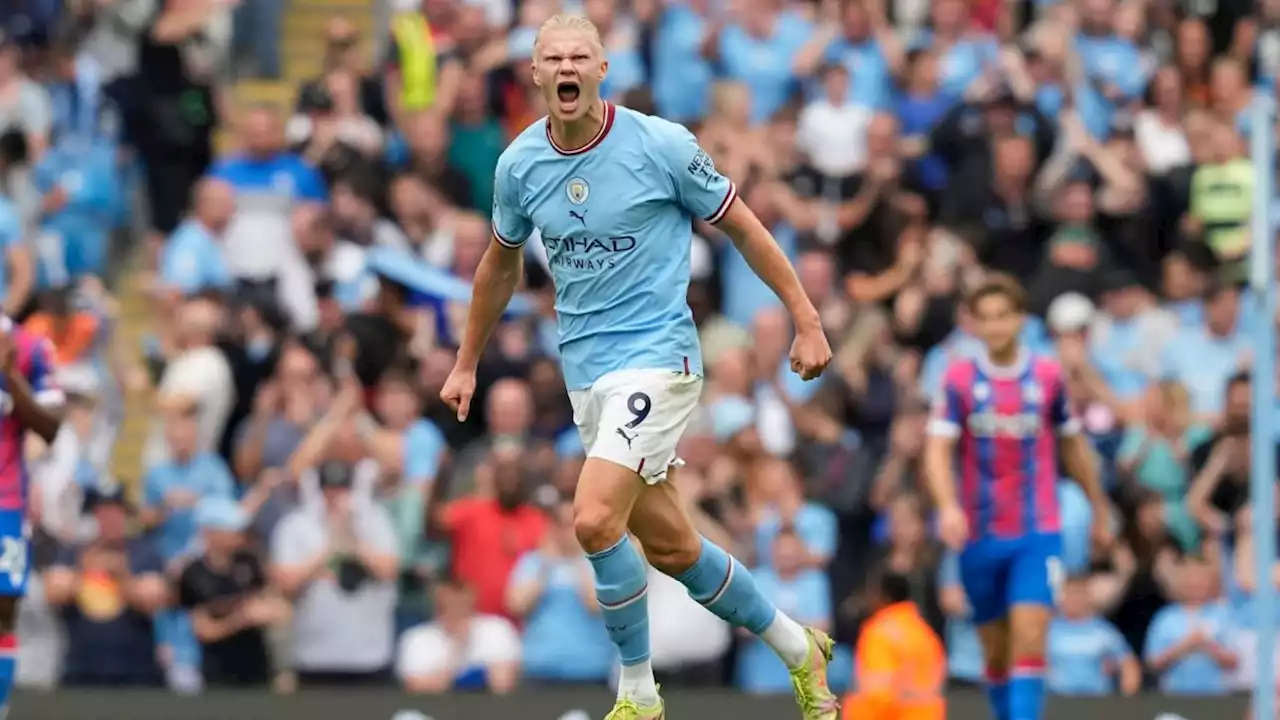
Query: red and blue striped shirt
x=1006, y=421
x=35, y=362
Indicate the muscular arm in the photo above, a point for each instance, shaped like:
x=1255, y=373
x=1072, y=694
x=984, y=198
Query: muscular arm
x=496, y=280
x=1080, y=464
x=939, y=470
x=762, y=253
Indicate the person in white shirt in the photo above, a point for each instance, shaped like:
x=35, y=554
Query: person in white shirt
x=832, y=131
x=198, y=377
x=459, y=650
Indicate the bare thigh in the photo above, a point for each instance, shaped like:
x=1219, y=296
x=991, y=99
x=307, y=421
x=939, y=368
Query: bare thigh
x=1029, y=628
x=663, y=527
x=605, y=497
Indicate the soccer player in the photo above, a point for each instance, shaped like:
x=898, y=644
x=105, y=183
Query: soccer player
x=29, y=401
x=996, y=419
x=614, y=194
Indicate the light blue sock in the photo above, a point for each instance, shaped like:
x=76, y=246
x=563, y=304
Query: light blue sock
x=8, y=669
x=722, y=585
x=1026, y=690
x=622, y=588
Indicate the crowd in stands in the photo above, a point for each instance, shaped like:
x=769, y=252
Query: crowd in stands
x=309, y=513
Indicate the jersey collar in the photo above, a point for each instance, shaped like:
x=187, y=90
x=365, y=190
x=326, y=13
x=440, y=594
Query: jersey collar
x=605, y=126
x=1012, y=370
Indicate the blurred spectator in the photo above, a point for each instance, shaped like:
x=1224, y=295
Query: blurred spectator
x=1205, y=356
x=192, y=261
x=108, y=589
x=1187, y=646
x=24, y=105
x=461, y=649
x=491, y=529
x=552, y=592
x=338, y=564
x=197, y=382
x=796, y=588
x=1087, y=655
x=225, y=590
x=343, y=49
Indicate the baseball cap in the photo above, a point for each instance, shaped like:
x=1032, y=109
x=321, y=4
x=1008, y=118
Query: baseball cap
x=219, y=513
x=1070, y=312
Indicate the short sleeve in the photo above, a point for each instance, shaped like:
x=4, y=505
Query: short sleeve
x=511, y=225
x=423, y=448
x=457, y=513
x=179, y=267
x=423, y=651
x=699, y=187
x=948, y=414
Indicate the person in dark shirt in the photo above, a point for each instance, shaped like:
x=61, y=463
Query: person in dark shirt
x=225, y=589
x=1220, y=489
x=108, y=592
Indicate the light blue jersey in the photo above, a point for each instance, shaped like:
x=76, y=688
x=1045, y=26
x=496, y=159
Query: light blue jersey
x=616, y=218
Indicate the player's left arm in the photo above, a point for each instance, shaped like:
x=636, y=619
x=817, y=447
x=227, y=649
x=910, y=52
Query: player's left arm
x=37, y=401
x=707, y=194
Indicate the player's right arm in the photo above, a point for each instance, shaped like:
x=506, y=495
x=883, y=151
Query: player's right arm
x=495, y=283
x=945, y=424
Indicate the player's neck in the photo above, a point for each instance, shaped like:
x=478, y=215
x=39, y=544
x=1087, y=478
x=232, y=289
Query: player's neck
x=1005, y=357
x=576, y=134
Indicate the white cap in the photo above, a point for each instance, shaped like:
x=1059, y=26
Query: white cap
x=1070, y=312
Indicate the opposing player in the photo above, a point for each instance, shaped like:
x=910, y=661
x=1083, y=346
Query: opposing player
x=1003, y=418
x=613, y=194
x=29, y=401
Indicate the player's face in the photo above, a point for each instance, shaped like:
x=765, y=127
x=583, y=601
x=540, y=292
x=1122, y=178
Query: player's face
x=568, y=66
x=997, y=322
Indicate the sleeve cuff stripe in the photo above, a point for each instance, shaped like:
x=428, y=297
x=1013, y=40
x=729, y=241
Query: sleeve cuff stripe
x=509, y=243
x=718, y=215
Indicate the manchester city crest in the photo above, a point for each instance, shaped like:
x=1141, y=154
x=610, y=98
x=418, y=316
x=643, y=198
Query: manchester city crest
x=577, y=190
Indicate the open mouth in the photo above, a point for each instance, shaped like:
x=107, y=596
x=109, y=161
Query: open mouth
x=567, y=92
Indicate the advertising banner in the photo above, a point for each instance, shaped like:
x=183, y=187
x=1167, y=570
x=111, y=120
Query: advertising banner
x=537, y=704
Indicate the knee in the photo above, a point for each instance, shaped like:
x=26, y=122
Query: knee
x=672, y=555
x=597, y=526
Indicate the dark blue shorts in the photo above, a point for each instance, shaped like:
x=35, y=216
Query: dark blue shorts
x=998, y=573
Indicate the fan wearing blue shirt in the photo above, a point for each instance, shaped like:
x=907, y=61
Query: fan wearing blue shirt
x=962, y=55
x=760, y=51
x=1086, y=653
x=798, y=589
x=682, y=75
x=870, y=57
x=553, y=591
x=1186, y=647
x=192, y=260
x=1203, y=358
x=79, y=181
x=920, y=108
x=18, y=279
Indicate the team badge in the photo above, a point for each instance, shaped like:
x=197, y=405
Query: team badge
x=1031, y=394
x=577, y=190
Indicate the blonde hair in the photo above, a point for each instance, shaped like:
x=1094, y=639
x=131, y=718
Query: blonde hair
x=568, y=21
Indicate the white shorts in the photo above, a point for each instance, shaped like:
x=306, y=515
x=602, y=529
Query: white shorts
x=635, y=418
